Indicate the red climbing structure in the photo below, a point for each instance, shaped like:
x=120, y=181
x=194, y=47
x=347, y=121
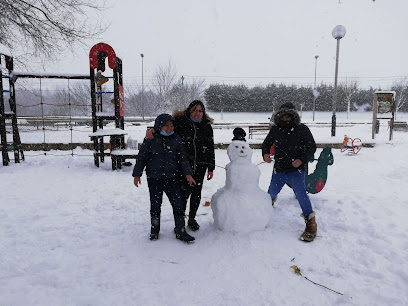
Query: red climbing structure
x=97, y=56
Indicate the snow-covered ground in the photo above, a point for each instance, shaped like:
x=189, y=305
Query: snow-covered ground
x=74, y=234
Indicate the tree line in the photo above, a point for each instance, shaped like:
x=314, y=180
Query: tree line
x=240, y=98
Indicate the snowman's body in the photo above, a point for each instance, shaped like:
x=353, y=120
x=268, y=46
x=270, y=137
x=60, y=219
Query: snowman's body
x=241, y=206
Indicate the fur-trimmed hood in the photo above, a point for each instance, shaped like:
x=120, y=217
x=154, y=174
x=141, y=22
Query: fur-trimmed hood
x=179, y=114
x=286, y=109
x=292, y=139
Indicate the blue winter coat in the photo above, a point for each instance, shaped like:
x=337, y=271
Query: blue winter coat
x=162, y=157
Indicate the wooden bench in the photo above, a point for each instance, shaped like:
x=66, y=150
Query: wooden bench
x=400, y=126
x=119, y=157
x=258, y=129
x=116, y=145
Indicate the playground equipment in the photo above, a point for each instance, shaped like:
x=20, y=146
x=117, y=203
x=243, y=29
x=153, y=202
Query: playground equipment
x=316, y=181
x=97, y=57
x=351, y=145
x=13, y=77
x=15, y=146
x=383, y=108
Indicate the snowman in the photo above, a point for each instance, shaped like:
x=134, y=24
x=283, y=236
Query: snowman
x=241, y=206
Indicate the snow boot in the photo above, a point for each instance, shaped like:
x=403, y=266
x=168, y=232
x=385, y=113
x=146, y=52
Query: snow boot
x=193, y=225
x=155, y=228
x=180, y=230
x=310, y=231
x=182, y=235
x=154, y=237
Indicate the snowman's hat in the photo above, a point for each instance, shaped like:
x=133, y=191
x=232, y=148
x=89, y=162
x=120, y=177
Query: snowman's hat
x=239, y=134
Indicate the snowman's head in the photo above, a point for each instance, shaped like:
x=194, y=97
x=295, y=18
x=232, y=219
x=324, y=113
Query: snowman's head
x=239, y=151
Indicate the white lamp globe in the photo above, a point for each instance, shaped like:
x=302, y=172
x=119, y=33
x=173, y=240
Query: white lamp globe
x=339, y=32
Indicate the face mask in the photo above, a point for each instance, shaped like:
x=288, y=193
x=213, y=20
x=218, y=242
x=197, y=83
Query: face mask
x=165, y=134
x=195, y=120
x=286, y=124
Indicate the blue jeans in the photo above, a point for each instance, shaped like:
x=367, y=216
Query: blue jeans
x=172, y=189
x=296, y=180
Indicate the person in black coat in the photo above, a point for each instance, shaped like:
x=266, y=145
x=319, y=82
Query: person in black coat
x=194, y=126
x=163, y=156
x=294, y=147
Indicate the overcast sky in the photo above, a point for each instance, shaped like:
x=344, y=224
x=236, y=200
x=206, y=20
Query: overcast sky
x=258, y=41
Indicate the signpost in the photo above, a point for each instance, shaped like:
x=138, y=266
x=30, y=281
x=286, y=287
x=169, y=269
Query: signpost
x=383, y=108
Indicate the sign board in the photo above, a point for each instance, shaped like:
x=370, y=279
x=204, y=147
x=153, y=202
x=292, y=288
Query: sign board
x=383, y=108
x=385, y=105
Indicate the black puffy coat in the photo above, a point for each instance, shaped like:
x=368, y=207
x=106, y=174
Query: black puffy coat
x=162, y=156
x=198, y=141
x=295, y=142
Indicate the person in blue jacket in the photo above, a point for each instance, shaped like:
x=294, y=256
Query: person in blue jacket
x=162, y=157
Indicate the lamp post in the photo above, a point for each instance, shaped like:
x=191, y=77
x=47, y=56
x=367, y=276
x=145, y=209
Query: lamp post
x=142, y=88
x=182, y=92
x=315, y=93
x=338, y=33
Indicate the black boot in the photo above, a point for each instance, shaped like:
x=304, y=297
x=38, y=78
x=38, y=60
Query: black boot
x=180, y=230
x=193, y=225
x=155, y=228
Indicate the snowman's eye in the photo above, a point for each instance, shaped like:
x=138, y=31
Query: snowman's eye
x=236, y=147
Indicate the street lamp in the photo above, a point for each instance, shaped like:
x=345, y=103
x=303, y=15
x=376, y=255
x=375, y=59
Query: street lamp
x=182, y=92
x=142, y=88
x=315, y=92
x=338, y=33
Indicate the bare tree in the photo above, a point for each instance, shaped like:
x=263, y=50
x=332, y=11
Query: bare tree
x=46, y=27
x=194, y=90
x=178, y=99
x=28, y=101
x=163, y=83
x=186, y=91
x=137, y=102
x=79, y=98
x=73, y=100
x=171, y=91
x=133, y=99
x=400, y=86
x=350, y=87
